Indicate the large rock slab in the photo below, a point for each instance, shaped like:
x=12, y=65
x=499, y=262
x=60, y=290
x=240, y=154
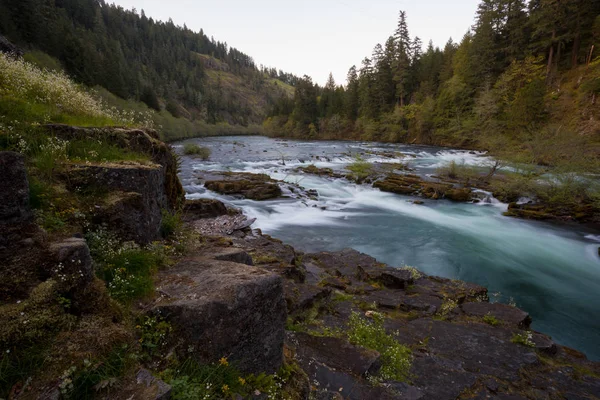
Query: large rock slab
x=203, y=208
x=224, y=309
x=505, y=313
x=142, y=141
x=14, y=188
x=133, y=207
x=247, y=185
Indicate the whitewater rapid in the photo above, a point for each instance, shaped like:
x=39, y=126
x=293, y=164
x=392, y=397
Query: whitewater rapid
x=551, y=271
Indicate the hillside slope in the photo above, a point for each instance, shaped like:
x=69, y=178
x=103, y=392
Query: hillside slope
x=169, y=68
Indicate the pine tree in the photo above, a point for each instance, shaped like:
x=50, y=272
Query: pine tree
x=352, y=95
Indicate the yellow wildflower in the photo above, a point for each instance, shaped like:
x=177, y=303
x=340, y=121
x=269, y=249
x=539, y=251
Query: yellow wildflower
x=223, y=361
x=225, y=388
x=242, y=381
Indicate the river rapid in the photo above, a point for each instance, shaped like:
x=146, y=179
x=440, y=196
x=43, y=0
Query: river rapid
x=551, y=271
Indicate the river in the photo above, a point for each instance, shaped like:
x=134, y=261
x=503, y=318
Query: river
x=551, y=271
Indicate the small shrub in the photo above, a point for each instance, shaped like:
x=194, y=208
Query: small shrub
x=129, y=274
x=170, y=224
x=395, y=357
x=525, y=339
x=154, y=334
x=191, y=149
x=415, y=273
x=447, y=307
x=491, y=320
x=127, y=270
x=360, y=169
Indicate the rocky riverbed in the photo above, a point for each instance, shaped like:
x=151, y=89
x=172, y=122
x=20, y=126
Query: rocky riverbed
x=459, y=344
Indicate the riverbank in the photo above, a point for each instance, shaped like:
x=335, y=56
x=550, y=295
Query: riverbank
x=129, y=297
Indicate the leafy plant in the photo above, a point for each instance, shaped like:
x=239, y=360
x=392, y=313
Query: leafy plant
x=525, y=339
x=395, y=357
x=360, y=169
x=170, y=224
x=491, y=320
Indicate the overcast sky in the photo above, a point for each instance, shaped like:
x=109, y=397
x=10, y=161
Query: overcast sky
x=312, y=37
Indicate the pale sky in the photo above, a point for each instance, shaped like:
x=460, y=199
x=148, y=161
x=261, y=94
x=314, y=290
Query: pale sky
x=312, y=37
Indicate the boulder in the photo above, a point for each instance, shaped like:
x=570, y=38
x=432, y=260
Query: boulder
x=458, y=194
x=14, y=188
x=203, y=208
x=247, y=185
x=224, y=309
x=133, y=208
x=154, y=389
x=72, y=264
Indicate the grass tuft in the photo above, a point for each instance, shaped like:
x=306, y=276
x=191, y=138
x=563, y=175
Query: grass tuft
x=191, y=149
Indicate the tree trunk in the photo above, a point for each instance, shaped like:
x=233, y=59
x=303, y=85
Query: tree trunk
x=575, y=51
x=550, y=56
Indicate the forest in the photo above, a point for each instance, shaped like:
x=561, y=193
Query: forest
x=524, y=75
x=167, y=67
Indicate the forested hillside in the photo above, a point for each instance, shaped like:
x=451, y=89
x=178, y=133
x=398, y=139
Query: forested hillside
x=524, y=78
x=167, y=67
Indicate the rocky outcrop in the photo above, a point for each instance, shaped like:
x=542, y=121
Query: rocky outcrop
x=245, y=185
x=14, y=188
x=71, y=264
x=22, y=242
x=135, y=200
x=462, y=345
x=413, y=185
x=204, y=208
x=136, y=140
x=222, y=309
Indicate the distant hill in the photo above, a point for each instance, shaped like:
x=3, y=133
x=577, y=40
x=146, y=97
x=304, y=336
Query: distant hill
x=171, y=69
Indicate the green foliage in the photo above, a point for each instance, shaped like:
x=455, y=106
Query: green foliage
x=192, y=149
x=192, y=381
x=43, y=315
x=95, y=375
x=16, y=365
x=360, y=169
x=491, y=320
x=170, y=224
x=127, y=270
x=154, y=334
x=25, y=87
x=524, y=338
x=395, y=357
x=43, y=61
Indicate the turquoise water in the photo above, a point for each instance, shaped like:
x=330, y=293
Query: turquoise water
x=551, y=271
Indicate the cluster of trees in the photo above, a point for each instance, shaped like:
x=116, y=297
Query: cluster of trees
x=131, y=55
x=495, y=80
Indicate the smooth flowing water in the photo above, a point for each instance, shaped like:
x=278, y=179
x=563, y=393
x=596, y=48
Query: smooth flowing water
x=551, y=271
